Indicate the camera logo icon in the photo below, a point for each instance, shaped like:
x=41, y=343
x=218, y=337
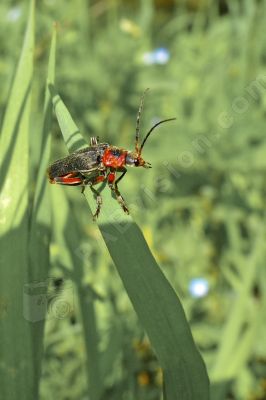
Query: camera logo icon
x=52, y=298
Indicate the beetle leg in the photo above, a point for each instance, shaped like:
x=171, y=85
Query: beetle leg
x=99, y=202
x=94, y=140
x=89, y=182
x=118, y=194
x=113, y=186
x=121, y=176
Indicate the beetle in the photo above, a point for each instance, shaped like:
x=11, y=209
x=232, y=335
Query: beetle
x=100, y=162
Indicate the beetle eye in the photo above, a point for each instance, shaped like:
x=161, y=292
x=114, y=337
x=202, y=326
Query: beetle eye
x=136, y=162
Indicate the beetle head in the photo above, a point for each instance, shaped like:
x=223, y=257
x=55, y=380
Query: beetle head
x=133, y=159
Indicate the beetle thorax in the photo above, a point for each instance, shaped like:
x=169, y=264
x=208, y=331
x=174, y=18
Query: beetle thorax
x=114, y=157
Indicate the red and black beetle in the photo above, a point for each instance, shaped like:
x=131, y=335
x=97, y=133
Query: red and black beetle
x=100, y=162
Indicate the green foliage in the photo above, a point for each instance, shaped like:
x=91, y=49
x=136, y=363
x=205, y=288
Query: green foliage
x=201, y=207
x=24, y=233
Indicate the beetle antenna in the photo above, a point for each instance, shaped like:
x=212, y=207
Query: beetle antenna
x=150, y=131
x=138, y=120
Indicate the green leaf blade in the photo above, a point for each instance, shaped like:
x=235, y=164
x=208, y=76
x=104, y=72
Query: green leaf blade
x=16, y=351
x=153, y=298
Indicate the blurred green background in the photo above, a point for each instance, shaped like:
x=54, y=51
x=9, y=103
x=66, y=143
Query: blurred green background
x=202, y=205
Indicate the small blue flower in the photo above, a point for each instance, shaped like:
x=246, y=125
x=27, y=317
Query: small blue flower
x=161, y=55
x=198, y=287
x=158, y=56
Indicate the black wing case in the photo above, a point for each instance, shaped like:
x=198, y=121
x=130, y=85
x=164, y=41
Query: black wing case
x=84, y=161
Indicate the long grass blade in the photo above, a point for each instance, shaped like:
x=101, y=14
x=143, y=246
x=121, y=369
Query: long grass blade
x=40, y=232
x=16, y=352
x=153, y=298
